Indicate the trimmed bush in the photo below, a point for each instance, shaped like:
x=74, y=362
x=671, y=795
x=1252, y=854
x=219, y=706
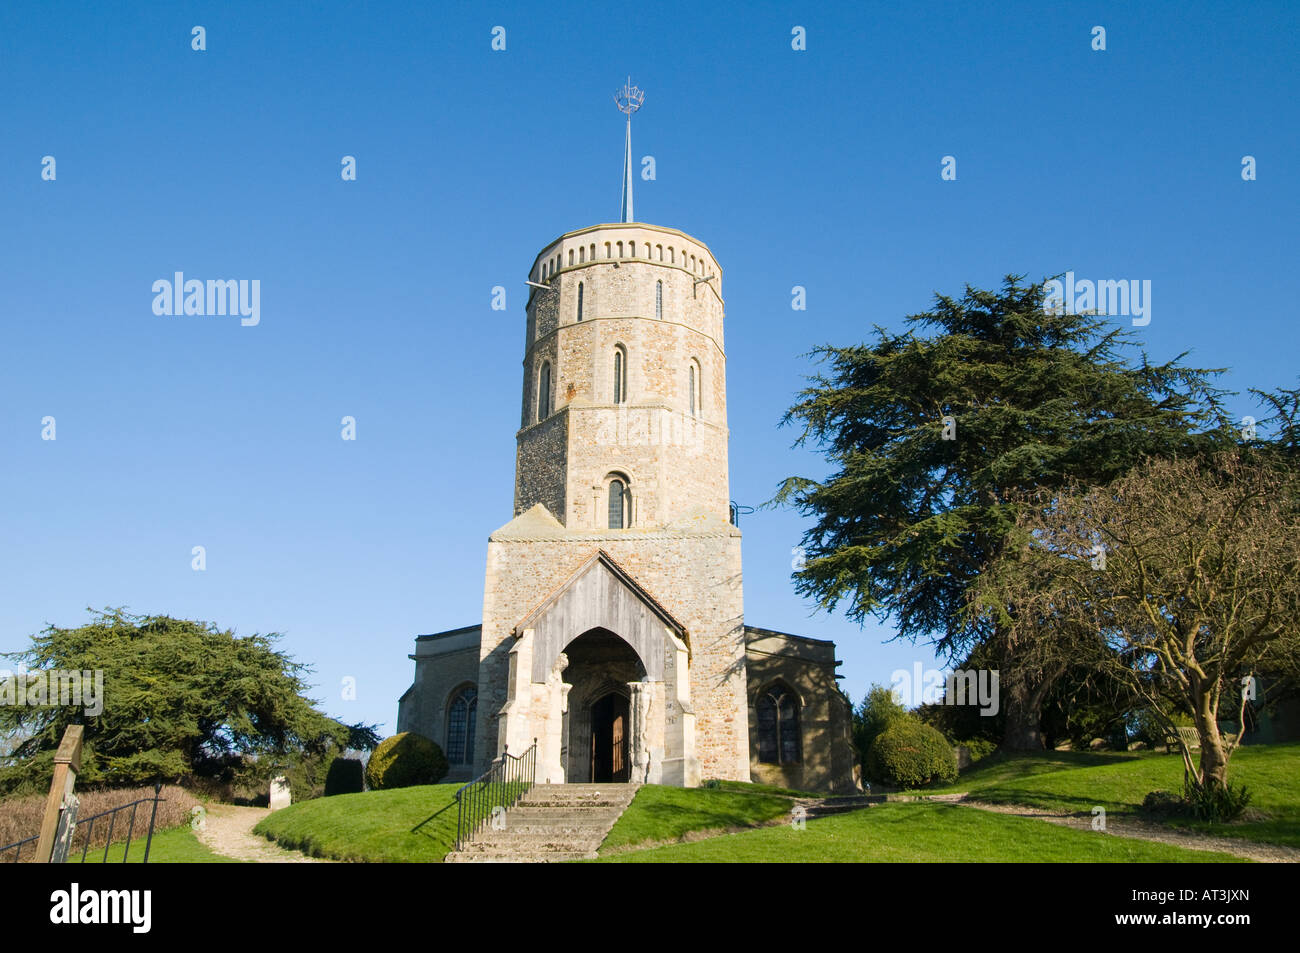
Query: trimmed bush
x=909, y=754
x=404, y=760
x=345, y=776
x=876, y=713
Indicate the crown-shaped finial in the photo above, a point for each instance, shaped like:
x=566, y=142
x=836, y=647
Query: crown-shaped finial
x=629, y=98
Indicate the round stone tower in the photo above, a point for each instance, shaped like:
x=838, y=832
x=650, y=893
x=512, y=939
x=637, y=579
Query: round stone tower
x=624, y=417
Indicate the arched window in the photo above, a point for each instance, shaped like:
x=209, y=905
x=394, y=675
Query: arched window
x=620, y=375
x=620, y=249
x=660, y=250
x=461, y=715
x=631, y=249
x=659, y=299
x=579, y=300
x=617, y=504
x=544, y=392
x=570, y=257
x=694, y=376
x=608, y=253
x=778, y=726
x=582, y=254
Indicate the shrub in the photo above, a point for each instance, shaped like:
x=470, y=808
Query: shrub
x=979, y=748
x=910, y=754
x=1163, y=804
x=877, y=712
x=1214, y=801
x=404, y=760
x=345, y=776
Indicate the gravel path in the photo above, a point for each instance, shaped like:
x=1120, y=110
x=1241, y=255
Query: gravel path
x=1142, y=830
x=229, y=831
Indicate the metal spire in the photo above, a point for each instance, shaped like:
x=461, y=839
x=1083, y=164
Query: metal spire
x=628, y=100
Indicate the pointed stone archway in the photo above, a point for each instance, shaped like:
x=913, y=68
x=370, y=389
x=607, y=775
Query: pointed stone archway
x=601, y=634
x=598, y=732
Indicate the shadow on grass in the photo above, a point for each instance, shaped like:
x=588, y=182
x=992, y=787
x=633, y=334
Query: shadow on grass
x=443, y=809
x=1004, y=766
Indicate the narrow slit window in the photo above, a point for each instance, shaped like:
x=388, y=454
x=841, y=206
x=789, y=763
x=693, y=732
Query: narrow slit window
x=544, y=393
x=617, y=492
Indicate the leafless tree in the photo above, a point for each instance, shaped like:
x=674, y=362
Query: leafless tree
x=1187, y=571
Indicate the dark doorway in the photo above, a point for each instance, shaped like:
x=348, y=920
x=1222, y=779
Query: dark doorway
x=609, y=731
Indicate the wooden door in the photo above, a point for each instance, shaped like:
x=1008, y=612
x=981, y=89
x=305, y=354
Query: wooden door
x=609, y=739
x=618, y=747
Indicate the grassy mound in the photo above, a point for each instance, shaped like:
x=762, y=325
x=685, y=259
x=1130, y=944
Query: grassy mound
x=1080, y=781
x=930, y=832
x=659, y=813
x=403, y=825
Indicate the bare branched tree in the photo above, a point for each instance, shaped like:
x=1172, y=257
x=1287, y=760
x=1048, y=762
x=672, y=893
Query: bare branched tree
x=1187, y=571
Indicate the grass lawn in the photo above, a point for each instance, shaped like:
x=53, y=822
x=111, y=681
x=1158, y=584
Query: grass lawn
x=925, y=833
x=177, y=845
x=1079, y=781
x=374, y=826
x=659, y=813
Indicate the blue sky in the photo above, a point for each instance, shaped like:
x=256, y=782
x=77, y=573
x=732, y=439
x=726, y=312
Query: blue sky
x=818, y=168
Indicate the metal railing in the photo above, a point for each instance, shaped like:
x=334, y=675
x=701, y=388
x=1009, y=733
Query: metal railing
x=501, y=786
x=62, y=849
x=17, y=848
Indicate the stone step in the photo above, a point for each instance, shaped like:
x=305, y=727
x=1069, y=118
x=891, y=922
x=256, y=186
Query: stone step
x=577, y=798
x=832, y=811
x=561, y=811
x=524, y=824
x=559, y=818
x=534, y=843
x=841, y=805
x=518, y=857
x=567, y=792
x=552, y=822
x=540, y=846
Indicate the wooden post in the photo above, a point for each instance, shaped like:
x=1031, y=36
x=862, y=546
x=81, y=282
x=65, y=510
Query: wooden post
x=67, y=762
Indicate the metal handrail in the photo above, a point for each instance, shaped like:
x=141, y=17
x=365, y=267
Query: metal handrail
x=500, y=786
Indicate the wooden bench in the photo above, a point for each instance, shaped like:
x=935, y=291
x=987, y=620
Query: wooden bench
x=1191, y=740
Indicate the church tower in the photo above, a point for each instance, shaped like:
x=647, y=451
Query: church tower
x=624, y=381
x=621, y=552
x=613, y=632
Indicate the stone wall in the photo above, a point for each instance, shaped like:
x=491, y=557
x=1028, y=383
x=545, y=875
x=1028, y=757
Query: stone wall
x=541, y=463
x=807, y=666
x=674, y=454
x=444, y=663
x=692, y=572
